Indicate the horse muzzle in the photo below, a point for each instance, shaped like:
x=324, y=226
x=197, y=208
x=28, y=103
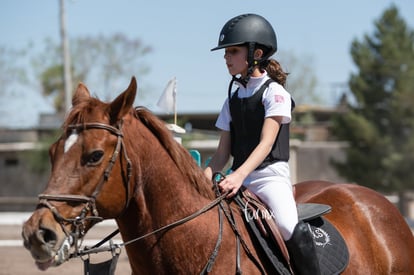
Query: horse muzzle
x=45, y=240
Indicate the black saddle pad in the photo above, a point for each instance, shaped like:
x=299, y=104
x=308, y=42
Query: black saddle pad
x=331, y=248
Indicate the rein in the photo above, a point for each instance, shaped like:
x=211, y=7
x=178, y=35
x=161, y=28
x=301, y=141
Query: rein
x=199, y=212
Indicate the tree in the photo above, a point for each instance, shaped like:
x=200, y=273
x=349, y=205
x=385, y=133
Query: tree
x=12, y=75
x=379, y=126
x=100, y=61
x=11, y=68
x=301, y=82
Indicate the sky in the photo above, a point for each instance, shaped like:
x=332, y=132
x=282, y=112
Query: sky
x=182, y=33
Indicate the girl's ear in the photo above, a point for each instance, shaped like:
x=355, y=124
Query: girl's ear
x=258, y=53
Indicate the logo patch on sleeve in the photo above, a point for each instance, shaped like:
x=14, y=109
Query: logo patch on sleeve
x=279, y=99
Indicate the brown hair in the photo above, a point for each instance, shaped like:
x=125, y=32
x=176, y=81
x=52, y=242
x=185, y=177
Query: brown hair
x=275, y=71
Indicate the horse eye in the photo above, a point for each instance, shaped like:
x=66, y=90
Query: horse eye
x=94, y=157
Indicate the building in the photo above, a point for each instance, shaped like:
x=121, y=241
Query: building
x=312, y=150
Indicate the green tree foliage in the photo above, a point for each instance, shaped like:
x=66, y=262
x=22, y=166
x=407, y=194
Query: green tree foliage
x=379, y=125
x=97, y=61
x=102, y=62
x=38, y=159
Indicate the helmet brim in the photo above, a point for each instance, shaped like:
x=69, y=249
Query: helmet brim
x=226, y=46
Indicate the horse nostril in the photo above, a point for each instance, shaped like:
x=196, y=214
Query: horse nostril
x=26, y=244
x=47, y=236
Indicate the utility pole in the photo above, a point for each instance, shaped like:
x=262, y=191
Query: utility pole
x=67, y=75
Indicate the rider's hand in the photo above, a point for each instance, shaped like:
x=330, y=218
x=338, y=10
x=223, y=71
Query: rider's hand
x=231, y=183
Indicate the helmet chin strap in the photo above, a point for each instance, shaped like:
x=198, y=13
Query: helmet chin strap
x=251, y=63
x=251, y=47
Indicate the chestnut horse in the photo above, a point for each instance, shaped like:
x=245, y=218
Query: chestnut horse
x=117, y=162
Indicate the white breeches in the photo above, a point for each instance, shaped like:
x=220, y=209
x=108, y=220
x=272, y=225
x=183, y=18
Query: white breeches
x=272, y=185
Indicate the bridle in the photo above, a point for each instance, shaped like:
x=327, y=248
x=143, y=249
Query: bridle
x=90, y=207
x=89, y=202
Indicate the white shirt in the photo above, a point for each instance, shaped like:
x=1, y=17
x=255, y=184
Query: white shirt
x=276, y=101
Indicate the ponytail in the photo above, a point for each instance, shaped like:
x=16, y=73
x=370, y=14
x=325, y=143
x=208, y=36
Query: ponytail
x=274, y=71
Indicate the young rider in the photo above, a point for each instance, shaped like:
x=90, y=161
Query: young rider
x=254, y=123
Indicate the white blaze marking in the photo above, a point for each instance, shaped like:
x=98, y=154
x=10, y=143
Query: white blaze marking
x=71, y=140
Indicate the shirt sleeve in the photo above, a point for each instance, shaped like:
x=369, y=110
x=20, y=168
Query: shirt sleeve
x=224, y=118
x=277, y=102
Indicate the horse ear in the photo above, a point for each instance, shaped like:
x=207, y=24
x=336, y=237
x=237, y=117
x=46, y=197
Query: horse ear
x=81, y=94
x=123, y=103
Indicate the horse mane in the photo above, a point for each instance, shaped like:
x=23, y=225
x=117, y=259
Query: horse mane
x=185, y=162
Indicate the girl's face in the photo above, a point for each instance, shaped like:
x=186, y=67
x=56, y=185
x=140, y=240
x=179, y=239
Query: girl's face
x=236, y=60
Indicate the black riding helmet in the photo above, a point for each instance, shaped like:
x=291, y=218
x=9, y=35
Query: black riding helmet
x=247, y=28
x=251, y=30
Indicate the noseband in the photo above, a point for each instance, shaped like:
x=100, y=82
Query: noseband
x=89, y=201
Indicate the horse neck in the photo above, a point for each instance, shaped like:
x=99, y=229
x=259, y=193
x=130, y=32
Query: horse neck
x=162, y=193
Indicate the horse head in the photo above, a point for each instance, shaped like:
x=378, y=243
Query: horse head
x=90, y=178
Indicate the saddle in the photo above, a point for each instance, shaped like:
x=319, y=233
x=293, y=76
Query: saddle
x=331, y=248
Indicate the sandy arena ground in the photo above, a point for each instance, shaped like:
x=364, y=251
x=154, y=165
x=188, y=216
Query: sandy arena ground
x=15, y=259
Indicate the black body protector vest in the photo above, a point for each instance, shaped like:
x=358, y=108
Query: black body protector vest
x=246, y=126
